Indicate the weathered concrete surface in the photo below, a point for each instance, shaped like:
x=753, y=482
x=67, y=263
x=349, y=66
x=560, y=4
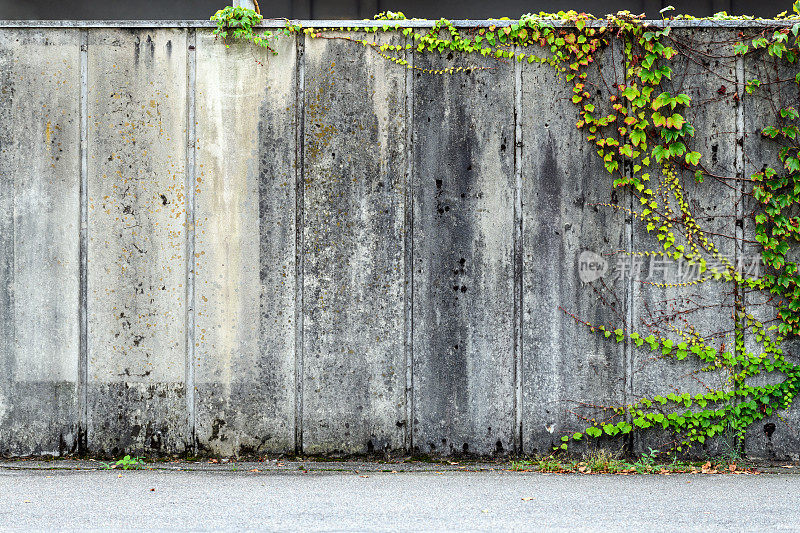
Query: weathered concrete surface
x=353, y=397
x=568, y=371
x=706, y=309
x=137, y=86
x=39, y=236
x=777, y=436
x=352, y=292
x=245, y=248
x=463, y=194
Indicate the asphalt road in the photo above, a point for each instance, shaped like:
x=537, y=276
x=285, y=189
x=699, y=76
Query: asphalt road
x=74, y=499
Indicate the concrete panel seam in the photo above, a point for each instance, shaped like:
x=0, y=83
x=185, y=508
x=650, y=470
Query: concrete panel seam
x=299, y=242
x=518, y=257
x=191, y=155
x=409, y=254
x=739, y=154
x=630, y=311
x=738, y=248
x=83, y=246
x=739, y=151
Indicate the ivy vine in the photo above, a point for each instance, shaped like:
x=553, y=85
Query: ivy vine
x=238, y=23
x=645, y=140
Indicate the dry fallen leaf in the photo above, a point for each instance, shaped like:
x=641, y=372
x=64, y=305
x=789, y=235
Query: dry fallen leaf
x=732, y=468
x=363, y=476
x=255, y=470
x=527, y=499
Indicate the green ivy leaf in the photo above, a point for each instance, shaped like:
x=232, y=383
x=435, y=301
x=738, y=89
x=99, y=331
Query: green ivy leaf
x=693, y=158
x=593, y=431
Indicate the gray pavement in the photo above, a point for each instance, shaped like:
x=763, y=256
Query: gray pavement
x=370, y=497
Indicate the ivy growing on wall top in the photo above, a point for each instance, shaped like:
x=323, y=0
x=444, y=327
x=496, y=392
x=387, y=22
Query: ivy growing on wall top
x=641, y=129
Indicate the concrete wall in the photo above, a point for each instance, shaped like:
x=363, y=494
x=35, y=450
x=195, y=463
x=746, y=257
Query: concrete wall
x=213, y=250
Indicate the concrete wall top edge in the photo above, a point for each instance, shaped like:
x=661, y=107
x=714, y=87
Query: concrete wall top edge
x=414, y=23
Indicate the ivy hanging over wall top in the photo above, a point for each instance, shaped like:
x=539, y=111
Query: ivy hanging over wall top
x=641, y=131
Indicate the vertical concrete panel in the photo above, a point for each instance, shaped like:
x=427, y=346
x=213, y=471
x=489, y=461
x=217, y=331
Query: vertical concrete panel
x=707, y=309
x=137, y=240
x=39, y=223
x=777, y=436
x=354, y=149
x=8, y=351
x=567, y=370
x=245, y=247
x=463, y=337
